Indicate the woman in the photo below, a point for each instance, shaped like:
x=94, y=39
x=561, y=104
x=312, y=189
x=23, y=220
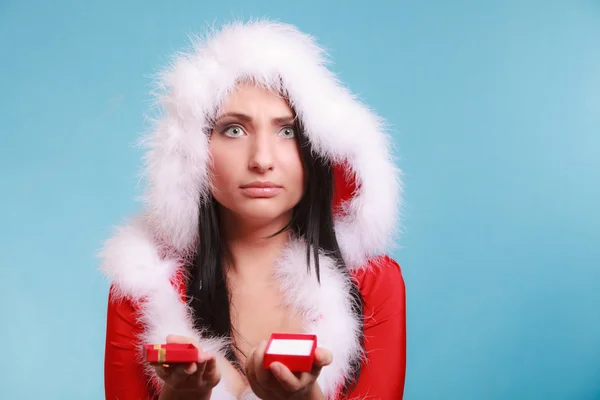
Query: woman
x=271, y=200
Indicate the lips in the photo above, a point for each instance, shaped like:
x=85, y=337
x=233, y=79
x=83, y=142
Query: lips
x=261, y=189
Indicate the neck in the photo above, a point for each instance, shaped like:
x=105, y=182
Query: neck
x=252, y=249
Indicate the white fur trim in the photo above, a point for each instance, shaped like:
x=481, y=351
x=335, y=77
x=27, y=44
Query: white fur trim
x=325, y=307
x=132, y=259
x=143, y=256
x=337, y=124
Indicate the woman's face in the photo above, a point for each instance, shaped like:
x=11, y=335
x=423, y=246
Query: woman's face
x=257, y=173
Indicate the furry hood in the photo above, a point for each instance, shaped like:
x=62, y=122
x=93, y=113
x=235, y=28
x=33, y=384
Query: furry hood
x=145, y=255
x=337, y=124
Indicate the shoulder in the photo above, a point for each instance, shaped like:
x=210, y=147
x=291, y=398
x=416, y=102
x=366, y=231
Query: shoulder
x=380, y=280
x=135, y=263
x=383, y=272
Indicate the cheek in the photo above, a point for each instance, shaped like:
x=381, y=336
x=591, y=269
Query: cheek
x=222, y=168
x=294, y=171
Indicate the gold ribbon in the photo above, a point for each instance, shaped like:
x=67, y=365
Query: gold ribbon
x=162, y=353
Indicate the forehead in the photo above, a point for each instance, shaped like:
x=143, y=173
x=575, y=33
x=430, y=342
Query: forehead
x=253, y=99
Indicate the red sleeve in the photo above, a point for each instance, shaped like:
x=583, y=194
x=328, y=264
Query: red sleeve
x=124, y=377
x=383, y=373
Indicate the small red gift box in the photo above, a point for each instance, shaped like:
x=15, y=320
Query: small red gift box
x=171, y=353
x=295, y=351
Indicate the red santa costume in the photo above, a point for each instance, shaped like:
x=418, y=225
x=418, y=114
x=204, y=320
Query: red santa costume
x=145, y=258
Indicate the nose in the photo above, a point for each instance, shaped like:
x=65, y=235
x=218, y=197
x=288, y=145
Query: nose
x=262, y=158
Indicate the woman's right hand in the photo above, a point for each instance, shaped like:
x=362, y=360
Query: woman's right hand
x=194, y=380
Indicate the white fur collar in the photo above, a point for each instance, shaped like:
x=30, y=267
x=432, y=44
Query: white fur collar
x=325, y=307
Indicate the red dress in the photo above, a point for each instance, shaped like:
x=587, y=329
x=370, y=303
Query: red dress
x=382, y=376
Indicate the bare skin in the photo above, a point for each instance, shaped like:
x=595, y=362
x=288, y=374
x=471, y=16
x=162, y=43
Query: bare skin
x=253, y=141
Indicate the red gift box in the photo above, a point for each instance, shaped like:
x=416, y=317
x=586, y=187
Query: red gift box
x=295, y=351
x=171, y=353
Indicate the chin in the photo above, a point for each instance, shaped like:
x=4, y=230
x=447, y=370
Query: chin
x=264, y=211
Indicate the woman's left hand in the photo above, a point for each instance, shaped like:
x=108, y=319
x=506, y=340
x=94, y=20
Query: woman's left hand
x=279, y=382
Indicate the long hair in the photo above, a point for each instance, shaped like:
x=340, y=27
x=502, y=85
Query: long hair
x=312, y=220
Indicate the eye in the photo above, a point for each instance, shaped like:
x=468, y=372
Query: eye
x=234, y=131
x=288, y=132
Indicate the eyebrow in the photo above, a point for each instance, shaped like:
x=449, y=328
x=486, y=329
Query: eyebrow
x=289, y=119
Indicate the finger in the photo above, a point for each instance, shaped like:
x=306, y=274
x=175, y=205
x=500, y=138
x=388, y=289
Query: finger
x=259, y=352
x=258, y=388
x=251, y=375
x=249, y=367
x=288, y=381
x=191, y=368
x=162, y=372
x=263, y=376
x=211, y=371
x=177, y=376
x=323, y=357
x=177, y=339
x=200, y=371
x=255, y=372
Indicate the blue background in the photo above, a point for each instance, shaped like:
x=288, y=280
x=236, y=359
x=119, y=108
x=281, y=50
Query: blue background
x=495, y=108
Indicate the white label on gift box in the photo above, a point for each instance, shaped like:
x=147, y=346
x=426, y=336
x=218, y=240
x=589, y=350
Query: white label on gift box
x=295, y=347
